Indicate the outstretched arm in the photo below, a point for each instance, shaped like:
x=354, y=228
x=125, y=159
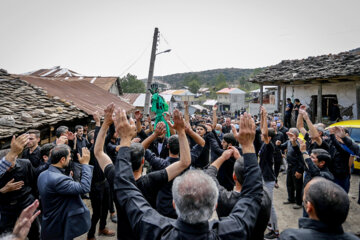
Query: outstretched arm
x=160, y=129
x=263, y=125
x=102, y=158
x=312, y=129
x=300, y=123
x=185, y=159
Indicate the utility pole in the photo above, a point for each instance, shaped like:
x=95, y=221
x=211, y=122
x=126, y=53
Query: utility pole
x=151, y=71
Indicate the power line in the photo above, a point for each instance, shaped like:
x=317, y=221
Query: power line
x=177, y=55
x=136, y=60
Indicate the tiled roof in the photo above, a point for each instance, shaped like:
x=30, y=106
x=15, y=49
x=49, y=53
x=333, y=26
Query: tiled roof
x=84, y=95
x=340, y=66
x=24, y=106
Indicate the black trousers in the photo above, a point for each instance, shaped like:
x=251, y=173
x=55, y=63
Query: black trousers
x=294, y=187
x=287, y=121
x=277, y=164
x=99, y=197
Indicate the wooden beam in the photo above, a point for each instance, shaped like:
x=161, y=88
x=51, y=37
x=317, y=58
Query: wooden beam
x=278, y=98
x=319, y=104
x=261, y=94
x=283, y=102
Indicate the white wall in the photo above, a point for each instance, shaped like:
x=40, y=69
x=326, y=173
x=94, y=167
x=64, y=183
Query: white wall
x=254, y=108
x=345, y=92
x=237, y=101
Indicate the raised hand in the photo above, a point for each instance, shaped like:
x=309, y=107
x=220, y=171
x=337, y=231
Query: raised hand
x=179, y=123
x=227, y=154
x=126, y=129
x=302, y=145
x=17, y=144
x=215, y=108
x=138, y=115
x=166, y=116
x=339, y=132
x=70, y=135
x=61, y=140
x=160, y=128
x=96, y=117
x=291, y=136
x=303, y=112
x=23, y=223
x=85, y=158
x=236, y=152
x=12, y=186
x=108, y=114
x=278, y=142
x=246, y=134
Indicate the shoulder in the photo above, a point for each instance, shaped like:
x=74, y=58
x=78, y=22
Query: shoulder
x=293, y=234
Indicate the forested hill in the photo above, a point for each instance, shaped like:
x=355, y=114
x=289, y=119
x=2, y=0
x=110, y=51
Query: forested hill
x=232, y=76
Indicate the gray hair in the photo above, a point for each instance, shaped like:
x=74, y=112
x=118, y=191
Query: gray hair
x=195, y=195
x=294, y=131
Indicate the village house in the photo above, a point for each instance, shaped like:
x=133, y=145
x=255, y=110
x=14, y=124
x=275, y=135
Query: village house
x=25, y=106
x=230, y=99
x=317, y=82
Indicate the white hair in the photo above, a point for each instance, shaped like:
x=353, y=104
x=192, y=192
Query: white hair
x=195, y=195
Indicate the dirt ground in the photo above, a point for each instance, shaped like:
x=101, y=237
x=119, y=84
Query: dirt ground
x=287, y=216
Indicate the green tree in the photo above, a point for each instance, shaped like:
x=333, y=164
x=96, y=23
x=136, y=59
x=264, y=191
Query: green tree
x=130, y=84
x=220, y=82
x=194, y=86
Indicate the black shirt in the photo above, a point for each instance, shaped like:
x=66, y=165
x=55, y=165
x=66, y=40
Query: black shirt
x=226, y=129
x=34, y=157
x=19, y=199
x=290, y=106
x=148, y=185
x=266, y=155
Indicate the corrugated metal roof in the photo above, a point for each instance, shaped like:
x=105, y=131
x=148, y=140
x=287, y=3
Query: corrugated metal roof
x=83, y=94
x=210, y=102
x=64, y=74
x=131, y=97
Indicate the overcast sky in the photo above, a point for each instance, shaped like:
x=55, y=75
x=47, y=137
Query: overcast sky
x=106, y=37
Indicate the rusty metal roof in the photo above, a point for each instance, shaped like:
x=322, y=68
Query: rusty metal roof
x=131, y=97
x=86, y=96
x=58, y=73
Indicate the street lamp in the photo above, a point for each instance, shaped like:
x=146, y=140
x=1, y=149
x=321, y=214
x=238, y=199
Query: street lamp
x=166, y=51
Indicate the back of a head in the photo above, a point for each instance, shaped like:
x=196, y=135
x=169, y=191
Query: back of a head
x=330, y=201
x=174, y=144
x=46, y=148
x=271, y=132
x=58, y=152
x=229, y=138
x=195, y=195
x=137, y=153
x=239, y=169
x=60, y=130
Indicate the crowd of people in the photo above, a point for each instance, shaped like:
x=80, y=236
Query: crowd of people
x=213, y=178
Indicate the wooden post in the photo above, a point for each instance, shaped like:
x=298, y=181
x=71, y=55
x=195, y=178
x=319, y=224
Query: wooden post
x=357, y=100
x=278, y=98
x=319, y=104
x=261, y=94
x=283, y=102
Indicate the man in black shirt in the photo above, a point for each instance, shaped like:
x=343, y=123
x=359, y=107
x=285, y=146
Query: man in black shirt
x=266, y=156
x=228, y=199
x=195, y=196
x=279, y=136
x=327, y=206
x=296, y=108
x=227, y=127
x=150, y=183
x=17, y=188
x=288, y=111
x=100, y=190
x=32, y=152
x=80, y=141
